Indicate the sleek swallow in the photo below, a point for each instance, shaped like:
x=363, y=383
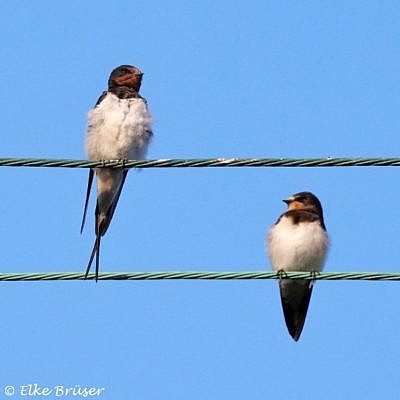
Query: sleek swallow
x=118, y=129
x=298, y=242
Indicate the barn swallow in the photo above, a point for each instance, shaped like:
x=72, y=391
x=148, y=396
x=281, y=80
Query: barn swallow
x=298, y=242
x=119, y=128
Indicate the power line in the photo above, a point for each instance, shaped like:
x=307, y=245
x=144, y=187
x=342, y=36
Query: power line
x=203, y=162
x=196, y=163
x=201, y=275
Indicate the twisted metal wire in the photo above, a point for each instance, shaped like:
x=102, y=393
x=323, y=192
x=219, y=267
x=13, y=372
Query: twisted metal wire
x=204, y=162
x=206, y=275
x=216, y=162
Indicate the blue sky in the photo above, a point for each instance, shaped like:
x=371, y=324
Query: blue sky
x=222, y=79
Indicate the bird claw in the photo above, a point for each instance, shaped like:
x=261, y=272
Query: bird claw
x=281, y=274
x=314, y=274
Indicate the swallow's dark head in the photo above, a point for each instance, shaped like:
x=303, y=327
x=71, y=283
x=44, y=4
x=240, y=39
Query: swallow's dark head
x=125, y=75
x=304, y=201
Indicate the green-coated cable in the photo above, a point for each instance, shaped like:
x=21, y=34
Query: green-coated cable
x=205, y=162
x=206, y=275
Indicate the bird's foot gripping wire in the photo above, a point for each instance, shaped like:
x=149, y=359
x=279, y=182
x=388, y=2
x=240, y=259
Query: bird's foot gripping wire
x=281, y=274
x=313, y=275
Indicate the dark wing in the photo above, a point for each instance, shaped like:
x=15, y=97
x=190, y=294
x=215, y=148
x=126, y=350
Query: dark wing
x=101, y=98
x=105, y=222
x=91, y=173
x=102, y=222
x=295, y=297
x=89, y=186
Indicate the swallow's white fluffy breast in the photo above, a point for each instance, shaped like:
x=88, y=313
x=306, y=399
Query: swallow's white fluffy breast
x=118, y=129
x=297, y=247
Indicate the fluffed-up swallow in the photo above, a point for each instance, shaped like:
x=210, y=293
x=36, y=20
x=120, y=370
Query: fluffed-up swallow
x=298, y=242
x=119, y=128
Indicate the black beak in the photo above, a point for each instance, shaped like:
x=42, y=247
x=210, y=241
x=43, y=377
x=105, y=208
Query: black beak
x=287, y=201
